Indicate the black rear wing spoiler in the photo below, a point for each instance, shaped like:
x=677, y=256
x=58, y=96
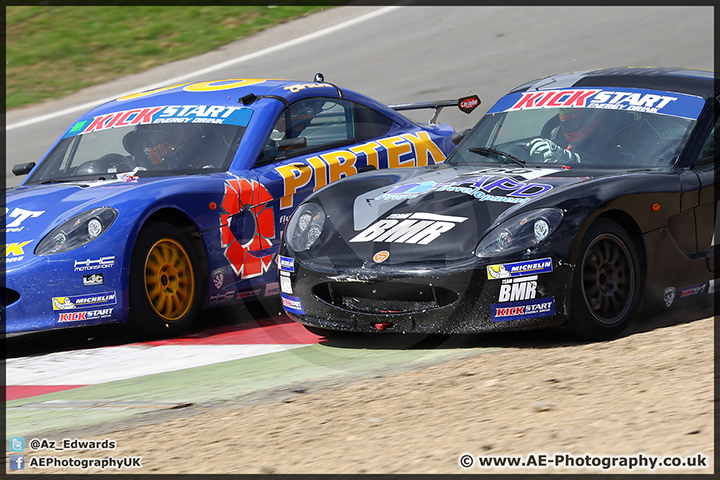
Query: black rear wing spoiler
x=465, y=104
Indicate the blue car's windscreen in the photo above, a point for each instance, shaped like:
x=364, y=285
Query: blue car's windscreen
x=144, y=143
x=594, y=127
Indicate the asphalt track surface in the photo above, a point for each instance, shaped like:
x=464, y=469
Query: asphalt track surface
x=395, y=54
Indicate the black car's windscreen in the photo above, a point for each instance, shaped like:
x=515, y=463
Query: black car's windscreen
x=595, y=137
x=156, y=149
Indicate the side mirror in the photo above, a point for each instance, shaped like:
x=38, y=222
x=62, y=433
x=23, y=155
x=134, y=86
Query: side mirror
x=458, y=136
x=291, y=144
x=22, y=169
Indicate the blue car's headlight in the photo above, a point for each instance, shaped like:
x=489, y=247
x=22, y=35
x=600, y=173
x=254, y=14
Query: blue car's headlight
x=80, y=230
x=519, y=232
x=305, y=226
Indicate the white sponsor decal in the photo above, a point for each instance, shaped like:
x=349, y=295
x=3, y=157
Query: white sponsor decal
x=102, y=262
x=285, y=286
x=420, y=228
x=19, y=215
x=518, y=289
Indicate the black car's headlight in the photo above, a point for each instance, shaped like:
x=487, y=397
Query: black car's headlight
x=80, y=230
x=519, y=232
x=305, y=226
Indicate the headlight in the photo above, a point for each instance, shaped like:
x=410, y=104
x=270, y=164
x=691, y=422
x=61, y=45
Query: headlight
x=81, y=229
x=520, y=232
x=305, y=226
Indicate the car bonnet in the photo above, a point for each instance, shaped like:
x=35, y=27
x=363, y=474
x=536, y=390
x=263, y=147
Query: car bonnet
x=433, y=215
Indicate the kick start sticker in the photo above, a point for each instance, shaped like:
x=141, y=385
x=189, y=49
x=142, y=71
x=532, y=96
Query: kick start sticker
x=505, y=312
x=615, y=98
x=292, y=304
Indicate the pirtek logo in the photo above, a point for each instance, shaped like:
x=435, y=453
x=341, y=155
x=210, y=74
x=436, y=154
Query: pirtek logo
x=420, y=228
x=406, y=150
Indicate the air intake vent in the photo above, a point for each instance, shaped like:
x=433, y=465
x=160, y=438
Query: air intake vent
x=384, y=298
x=8, y=296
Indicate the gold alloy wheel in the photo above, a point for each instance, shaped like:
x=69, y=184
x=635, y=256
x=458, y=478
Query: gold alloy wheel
x=169, y=280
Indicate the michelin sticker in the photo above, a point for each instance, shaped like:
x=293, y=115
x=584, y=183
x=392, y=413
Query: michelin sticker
x=286, y=264
x=519, y=269
x=84, y=301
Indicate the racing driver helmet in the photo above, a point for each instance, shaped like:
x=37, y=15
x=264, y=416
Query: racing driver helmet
x=160, y=141
x=580, y=124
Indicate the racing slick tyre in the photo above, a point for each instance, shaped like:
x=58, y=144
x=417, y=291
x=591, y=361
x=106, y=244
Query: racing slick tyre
x=164, y=283
x=606, y=283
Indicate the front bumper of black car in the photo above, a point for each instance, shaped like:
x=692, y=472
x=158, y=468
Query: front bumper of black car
x=447, y=301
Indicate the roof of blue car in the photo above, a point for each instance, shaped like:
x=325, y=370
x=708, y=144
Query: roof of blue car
x=224, y=92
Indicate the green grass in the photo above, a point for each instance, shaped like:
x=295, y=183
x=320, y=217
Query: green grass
x=53, y=51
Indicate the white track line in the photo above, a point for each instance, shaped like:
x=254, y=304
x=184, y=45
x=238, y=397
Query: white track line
x=100, y=365
x=181, y=78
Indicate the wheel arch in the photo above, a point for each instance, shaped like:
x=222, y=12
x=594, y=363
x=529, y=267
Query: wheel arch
x=626, y=222
x=631, y=227
x=184, y=223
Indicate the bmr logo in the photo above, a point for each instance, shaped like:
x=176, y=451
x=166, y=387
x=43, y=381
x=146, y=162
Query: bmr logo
x=511, y=292
x=420, y=228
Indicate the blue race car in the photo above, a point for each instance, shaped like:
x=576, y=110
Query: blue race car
x=158, y=204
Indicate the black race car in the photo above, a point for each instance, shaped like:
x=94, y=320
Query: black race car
x=577, y=200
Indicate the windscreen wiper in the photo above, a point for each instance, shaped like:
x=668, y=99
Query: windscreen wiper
x=57, y=180
x=494, y=152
